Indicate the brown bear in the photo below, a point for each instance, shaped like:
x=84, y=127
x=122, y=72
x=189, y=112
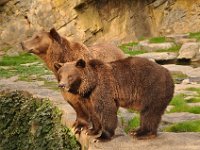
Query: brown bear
x=134, y=83
x=51, y=48
x=102, y=109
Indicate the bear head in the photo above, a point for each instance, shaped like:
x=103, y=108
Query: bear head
x=40, y=41
x=78, y=77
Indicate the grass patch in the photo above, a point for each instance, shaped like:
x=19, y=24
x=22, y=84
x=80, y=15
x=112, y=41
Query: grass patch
x=17, y=60
x=157, y=40
x=195, y=35
x=180, y=105
x=133, y=124
x=128, y=48
x=15, y=68
x=187, y=126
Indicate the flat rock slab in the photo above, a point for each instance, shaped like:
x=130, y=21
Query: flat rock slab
x=164, y=141
x=182, y=89
x=178, y=68
x=145, y=45
x=159, y=56
x=179, y=117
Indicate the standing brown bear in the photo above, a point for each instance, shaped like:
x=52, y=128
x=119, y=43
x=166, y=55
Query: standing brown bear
x=134, y=83
x=52, y=48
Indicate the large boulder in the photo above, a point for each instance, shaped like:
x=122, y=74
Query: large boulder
x=190, y=51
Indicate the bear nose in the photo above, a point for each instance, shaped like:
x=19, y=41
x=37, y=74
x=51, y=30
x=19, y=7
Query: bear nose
x=61, y=85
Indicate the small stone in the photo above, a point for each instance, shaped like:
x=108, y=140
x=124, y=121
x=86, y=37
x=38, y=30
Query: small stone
x=169, y=108
x=33, y=77
x=185, y=81
x=29, y=64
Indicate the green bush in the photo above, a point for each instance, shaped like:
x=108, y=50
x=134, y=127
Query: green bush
x=31, y=123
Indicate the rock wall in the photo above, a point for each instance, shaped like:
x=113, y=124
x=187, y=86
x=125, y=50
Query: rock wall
x=93, y=21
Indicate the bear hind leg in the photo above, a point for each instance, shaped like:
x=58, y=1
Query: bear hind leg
x=149, y=121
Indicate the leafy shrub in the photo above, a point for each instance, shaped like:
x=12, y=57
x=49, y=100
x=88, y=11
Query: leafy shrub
x=32, y=123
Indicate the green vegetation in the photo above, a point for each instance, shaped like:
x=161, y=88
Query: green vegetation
x=23, y=58
x=15, y=67
x=195, y=35
x=129, y=48
x=157, y=40
x=133, y=124
x=180, y=105
x=32, y=123
x=187, y=126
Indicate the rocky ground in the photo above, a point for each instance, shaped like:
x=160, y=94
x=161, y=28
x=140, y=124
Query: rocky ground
x=41, y=83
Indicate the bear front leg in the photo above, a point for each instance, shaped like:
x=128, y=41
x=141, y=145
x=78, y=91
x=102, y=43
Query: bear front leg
x=82, y=115
x=82, y=118
x=94, y=118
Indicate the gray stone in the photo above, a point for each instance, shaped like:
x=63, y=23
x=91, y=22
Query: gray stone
x=29, y=64
x=194, y=104
x=194, y=74
x=159, y=56
x=49, y=78
x=190, y=51
x=179, y=117
x=145, y=45
x=178, y=68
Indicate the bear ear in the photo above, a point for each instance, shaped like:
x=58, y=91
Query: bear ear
x=80, y=63
x=57, y=65
x=54, y=34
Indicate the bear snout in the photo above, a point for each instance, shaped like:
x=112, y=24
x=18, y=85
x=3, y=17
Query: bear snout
x=61, y=85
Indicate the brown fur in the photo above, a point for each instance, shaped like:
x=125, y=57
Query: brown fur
x=80, y=80
x=134, y=83
x=52, y=48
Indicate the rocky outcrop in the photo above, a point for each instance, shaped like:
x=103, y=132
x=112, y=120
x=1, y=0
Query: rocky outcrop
x=93, y=21
x=190, y=50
